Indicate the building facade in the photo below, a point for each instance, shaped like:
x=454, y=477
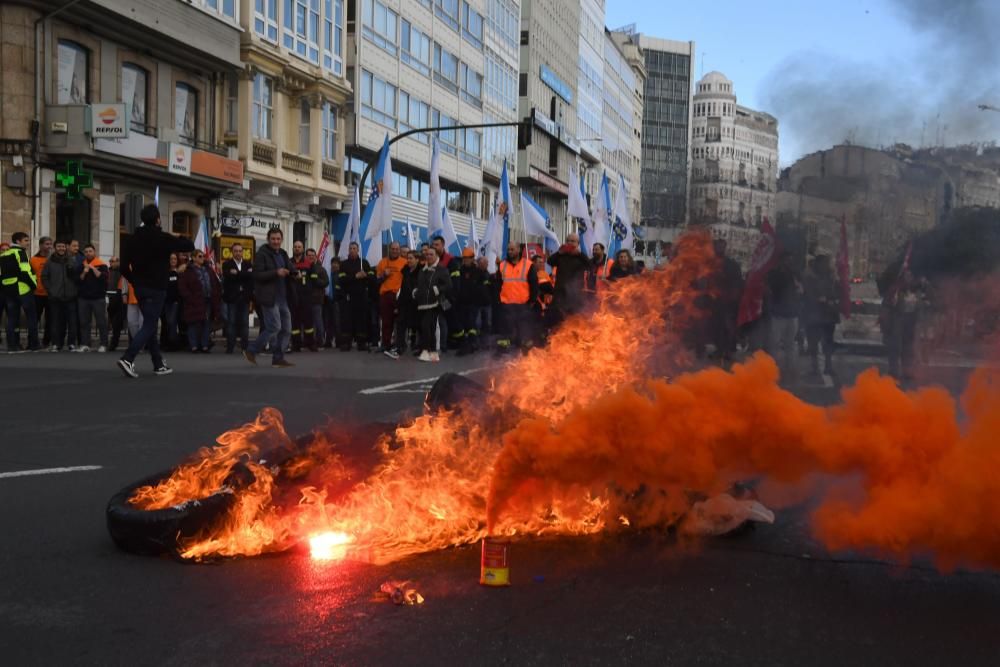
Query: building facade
x=104, y=100
x=621, y=145
x=734, y=166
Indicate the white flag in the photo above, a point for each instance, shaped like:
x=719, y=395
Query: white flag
x=623, y=219
x=411, y=235
x=352, y=232
x=536, y=222
x=450, y=237
x=602, y=215
x=474, y=237
x=578, y=209
x=435, y=225
x=492, y=240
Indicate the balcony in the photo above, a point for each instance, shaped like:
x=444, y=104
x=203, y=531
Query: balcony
x=297, y=163
x=263, y=153
x=331, y=172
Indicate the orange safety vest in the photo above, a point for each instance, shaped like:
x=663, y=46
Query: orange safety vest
x=515, y=289
x=544, y=300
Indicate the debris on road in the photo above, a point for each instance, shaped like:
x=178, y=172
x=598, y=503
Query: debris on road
x=399, y=593
x=723, y=514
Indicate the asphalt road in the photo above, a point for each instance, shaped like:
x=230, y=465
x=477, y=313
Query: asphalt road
x=67, y=596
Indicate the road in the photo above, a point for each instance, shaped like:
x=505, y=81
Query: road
x=67, y=596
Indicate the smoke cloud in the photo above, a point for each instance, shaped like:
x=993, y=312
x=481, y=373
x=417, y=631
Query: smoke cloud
x=926, y=98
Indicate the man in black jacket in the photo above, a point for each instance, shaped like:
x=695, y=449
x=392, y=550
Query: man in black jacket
x=145, y=263
x=432, y=296
x=317, y=280
x=272, y=273
x=571, y=271
x=237, y=288
x=357, y=277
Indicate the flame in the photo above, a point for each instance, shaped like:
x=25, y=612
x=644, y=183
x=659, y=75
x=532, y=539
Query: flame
x=586, y=435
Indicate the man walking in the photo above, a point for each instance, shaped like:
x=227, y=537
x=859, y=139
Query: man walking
x=237, y=288
x=41, y=296
x=60, y=278
x=17, y=284
x=146, y=265
x=272, y=271
x=785, y=291
x=92, y=298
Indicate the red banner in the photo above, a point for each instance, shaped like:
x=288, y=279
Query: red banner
x=763, y=260
x=844, y=270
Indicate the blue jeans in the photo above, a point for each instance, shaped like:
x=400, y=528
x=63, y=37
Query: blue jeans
x=237, y=316
x=277, y=323
x=197, y=334
x=151, y=305
x=14, y=305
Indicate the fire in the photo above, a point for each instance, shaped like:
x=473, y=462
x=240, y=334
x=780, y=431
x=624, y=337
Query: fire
x=587, y=435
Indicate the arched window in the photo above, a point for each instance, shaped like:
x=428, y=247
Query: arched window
x=135, y=94
x=186, y=112
x=73, y=74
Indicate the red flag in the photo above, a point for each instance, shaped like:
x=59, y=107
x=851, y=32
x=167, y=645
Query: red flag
x=765, y=256
x=324, y=246
x=844, y=270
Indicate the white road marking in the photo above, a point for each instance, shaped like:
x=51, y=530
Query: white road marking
x=406, y=387
x=47, y=471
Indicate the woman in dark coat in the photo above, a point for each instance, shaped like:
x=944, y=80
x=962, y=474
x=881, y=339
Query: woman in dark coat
x=201, y=297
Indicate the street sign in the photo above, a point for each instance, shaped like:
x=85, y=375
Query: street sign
x=74, y=179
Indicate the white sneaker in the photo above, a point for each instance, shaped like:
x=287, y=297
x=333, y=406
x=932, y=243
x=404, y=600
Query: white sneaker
x=128, y=368
x=425, y=356
x=83, y=348
x=53, y=348
x=435, y=356
x=102, y=349
x=72, y=348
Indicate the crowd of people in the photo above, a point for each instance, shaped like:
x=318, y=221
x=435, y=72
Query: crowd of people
x=424, y=301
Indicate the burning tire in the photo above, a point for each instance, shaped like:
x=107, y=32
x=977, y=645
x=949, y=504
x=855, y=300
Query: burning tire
x=158, y=532
x=452, y=391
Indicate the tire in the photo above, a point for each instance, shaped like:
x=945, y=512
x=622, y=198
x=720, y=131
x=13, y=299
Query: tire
x=159, y=532
x=453, y=391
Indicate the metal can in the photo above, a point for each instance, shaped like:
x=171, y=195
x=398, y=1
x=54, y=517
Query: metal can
x=495, y=564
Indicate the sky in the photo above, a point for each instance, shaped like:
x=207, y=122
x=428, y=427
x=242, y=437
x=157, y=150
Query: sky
x=875, y=71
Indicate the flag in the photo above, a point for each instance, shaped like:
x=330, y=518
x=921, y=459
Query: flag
x=844, y=270
x=577, y=208
x=536, y=222
x=602, y=214
x=435, y=224
x=352, y=231
x=474, y=237
x=448, y=231
x=897, y=284
x=498, y=223
x=622, y=228
x=765, y=256
x=204, y=242
x=411, y=236
x=377, y=217
x=324, y=246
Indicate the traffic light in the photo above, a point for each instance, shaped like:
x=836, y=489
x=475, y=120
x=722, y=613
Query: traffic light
x=524, y=135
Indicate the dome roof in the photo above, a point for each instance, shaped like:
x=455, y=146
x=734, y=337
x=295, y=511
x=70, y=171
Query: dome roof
x=714, y=77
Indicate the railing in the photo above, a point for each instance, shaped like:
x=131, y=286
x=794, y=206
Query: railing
x=294, y=162
x=263, y=153
x=331, y=172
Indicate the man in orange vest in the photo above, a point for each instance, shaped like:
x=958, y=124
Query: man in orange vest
x=600, y=270
x=517, y=284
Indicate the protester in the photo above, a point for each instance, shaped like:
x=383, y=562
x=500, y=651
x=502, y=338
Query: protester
x=60, y=278
x=541, y=303
x=317, y=280
x=448, y=322
x=406, y=317
x=333, y=316
x=303, y=329
x=432, y=296
x=200, y=293
x=357, y=273
x=75, y=252
x=169, y=319
x=17, y=284
x=37, y=262
x=726, y=289
x=468, y=293
x=517, y=283
x=821, y=311
x=902, y=308
x=487, y=296
x=92, y=298
x=389, y=273
x=570, y=271
x=624, y=266
x=272, y=273
x=600, y=270
x=237, y=290
x=784, y=302
x=4, y=247
x=145, y=264
x=116, y=305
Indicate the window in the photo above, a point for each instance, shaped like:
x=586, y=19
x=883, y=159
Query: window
x=448, y=138
x=265, y=19
x=329, y=131
x=186, y=112
x=447, y=11
x=232, y=104
x=378, y=100
x=445, y=68
x=72, y=82
x=333, y=36
x=472, y=26
x=185, y=224
x=223, y=7
x=414, y=48
x=413, y=114
x=380, y=25
x=301, y=31
x=472, y=86
x=305, y=111
x=470, y=146
x=263, y=94
x=504, y=19
x=135, y=92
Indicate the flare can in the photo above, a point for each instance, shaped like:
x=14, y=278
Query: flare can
x=495, y=566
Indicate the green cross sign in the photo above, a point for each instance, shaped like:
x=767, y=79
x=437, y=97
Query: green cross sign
x=74, y=179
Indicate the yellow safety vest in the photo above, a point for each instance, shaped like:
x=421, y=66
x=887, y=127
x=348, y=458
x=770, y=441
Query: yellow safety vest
x=13, y=257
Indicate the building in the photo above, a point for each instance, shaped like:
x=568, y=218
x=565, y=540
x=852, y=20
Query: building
x=433, y=63
x=590, y=94
x=102, y=100
x=284, y=115
x=734, y=173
